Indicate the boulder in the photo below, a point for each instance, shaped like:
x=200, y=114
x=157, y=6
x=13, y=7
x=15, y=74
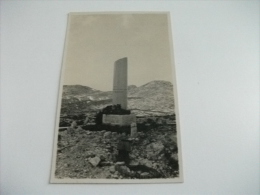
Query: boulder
x=94, y=161
x=80, y=129
x=73, y=124
x=107, y=135
x=105, y=163
x=120, y=163
x=144, y=175
x=112, y=169
x=174, y=139
x=114, y=134
x=157, y=146
x=146, y=162
x=133, y=163
x=88, y=132
x=114, y=176
x=154, y=150
x=124, y=170
x=174, y=157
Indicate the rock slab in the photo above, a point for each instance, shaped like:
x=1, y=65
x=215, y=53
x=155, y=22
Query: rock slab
x=94, y=161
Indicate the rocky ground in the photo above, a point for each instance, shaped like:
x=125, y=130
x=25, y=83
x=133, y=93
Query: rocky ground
x=93, y=154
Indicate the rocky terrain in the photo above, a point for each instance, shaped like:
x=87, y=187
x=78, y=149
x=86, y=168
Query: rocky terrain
x=93, y=154
x=87, y=149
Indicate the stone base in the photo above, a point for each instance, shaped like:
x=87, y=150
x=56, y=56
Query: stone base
x=122, y=120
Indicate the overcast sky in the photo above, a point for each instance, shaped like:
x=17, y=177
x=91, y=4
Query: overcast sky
x=96, y=41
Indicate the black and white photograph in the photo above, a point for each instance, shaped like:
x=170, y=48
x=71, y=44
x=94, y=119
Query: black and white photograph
x=117, y=117
x=129, y=97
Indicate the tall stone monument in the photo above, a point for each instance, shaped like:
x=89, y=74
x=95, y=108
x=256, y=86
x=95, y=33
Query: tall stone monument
x=119, y=96
x=120, y=83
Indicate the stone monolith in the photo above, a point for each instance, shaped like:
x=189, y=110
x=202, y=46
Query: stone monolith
x=120, y=83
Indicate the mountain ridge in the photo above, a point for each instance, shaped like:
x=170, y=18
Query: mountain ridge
x=153, y=96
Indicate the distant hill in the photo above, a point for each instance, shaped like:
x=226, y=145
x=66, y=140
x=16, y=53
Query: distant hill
x=131, y=87
x=77, y=90
x=155, y=97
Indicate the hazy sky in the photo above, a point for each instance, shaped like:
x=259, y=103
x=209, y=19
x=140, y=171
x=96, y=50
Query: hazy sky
x=96, y=41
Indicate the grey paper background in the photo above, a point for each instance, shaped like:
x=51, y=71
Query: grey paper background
x=216, y=48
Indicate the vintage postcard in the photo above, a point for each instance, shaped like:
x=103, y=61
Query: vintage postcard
x=117, y=118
